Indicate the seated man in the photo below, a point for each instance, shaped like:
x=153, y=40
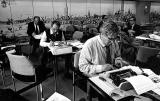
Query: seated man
x=50, y=36
x=133, y=29
x=101, y=52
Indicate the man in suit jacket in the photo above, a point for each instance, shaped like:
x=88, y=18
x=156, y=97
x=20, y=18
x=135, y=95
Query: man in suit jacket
x=34, y=30
x=133, y=29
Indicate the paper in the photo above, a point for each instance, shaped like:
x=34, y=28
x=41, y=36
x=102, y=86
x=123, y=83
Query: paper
x=105, y=86
x=77, y=44
x=57, y=50
x=149, y=72
x=157, y=91
x=57, y=97
x=142, y=38
x=141, y=83
x=153, y=36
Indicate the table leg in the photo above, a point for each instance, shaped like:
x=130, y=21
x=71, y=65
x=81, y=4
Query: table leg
x=89, y=98
x=55, y=73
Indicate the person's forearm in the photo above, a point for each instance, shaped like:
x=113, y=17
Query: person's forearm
x=37, y=36
x=93, y=69
x=44, y=44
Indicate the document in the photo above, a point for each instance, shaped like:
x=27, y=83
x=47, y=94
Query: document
x=141, y=83
x=142, y=38
x=57, y=97
x=57, y=50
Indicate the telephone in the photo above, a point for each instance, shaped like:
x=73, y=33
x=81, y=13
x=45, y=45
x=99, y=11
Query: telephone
x=118, y=76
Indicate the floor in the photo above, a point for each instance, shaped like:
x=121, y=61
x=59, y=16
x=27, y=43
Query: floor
x=64, y=85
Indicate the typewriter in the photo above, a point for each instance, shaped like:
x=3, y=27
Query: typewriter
x=117, y=77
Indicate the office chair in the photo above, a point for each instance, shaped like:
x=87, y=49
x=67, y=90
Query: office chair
x=3, y=63
x=2, y=72
x=23, y=70
x=144, y=55
x=77, y=35
x=79, y=79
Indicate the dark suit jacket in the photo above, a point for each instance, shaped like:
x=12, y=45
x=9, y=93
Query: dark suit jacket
x=31, y=29
x=136, y=28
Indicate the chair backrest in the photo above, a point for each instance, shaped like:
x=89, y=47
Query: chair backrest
x=146, y=52
x=76, y=59
x=20, y=64
x=77, y=35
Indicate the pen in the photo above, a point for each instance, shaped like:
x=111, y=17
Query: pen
x=103, y=79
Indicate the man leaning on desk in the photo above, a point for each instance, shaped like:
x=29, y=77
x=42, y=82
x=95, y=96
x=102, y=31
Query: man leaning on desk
x=101, y=52
x=47, y=40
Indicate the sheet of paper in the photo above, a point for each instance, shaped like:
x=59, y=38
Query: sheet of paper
x=157, y=91
x=142, y=38
x=153, y=36
x=141, y=83
x=149, y=72
x=57, y=97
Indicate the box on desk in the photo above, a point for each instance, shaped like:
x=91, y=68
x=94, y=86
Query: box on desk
x=58, y=50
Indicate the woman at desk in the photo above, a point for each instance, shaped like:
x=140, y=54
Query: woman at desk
x=48, y=38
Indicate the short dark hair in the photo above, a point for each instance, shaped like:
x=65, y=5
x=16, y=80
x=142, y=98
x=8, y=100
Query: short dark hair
x=36, y=17
x=56, y=22
x=132, y=19
x=99, y=25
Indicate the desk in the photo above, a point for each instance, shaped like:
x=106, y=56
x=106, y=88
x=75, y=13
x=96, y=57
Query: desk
x=102, y=88
x=105, y=88
x=148, y=40
x=60, y=51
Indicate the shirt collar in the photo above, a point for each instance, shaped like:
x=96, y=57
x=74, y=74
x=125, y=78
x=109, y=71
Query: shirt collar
x=102, y=43
x=51, y=31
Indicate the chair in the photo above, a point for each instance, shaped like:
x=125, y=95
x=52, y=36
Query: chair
x=144, y=55
x=77, y=35
x=78, y=77
x=2, y=72
x=23, y=70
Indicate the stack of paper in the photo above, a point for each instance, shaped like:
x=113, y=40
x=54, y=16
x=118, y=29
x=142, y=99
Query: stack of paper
x=57, y=50
x=153, y=36
x=57, y=97
x=141, y=83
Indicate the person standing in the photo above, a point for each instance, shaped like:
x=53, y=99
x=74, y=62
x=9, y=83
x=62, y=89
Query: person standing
x=35, y=30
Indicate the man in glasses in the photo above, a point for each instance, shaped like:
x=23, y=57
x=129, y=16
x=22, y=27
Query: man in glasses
x=99, y=53
x=102, y=53
x=133, y=29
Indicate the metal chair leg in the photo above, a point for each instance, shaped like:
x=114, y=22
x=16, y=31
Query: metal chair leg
x=14, y=85
x=41, y=92
x=37, y=93
x=2, y=74
x=73, y=86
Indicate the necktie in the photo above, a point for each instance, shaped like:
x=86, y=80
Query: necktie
x=108, y=52
x=36, y=31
